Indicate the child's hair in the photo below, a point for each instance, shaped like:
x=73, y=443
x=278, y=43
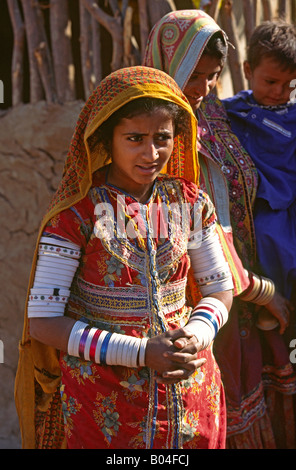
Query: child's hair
x=104, y=133
x=274, y=39
x=217, y=47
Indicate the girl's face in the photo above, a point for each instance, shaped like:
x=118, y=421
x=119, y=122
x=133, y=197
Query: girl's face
x=141, y=147
x=269, y=82
x=202, y=80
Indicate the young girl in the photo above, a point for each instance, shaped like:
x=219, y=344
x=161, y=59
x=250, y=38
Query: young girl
x=120, y=358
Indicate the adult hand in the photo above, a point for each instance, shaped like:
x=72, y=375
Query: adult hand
x=280, y=308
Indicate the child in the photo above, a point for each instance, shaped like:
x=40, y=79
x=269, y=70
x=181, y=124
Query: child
x=264, y=120
x=108, y=289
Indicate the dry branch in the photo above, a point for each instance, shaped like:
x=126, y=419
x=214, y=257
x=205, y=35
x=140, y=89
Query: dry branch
x=214, y=9
x=115, y=28
x=235, y=64
x=249, y=10
x=158, y=9
x=144, y=25
x=41, y=70
x=60, y=32
x=17, y=69
x=267, y=10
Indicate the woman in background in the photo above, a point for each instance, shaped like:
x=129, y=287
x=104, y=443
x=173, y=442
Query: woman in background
x=192, y=48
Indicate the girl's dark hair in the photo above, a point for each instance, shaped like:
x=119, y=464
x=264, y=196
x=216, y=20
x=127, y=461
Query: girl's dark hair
x=104, y=133
x=274, y=39
x=217, y=47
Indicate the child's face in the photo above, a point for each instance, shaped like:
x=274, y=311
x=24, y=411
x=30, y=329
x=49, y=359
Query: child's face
x=269, y=82
x=141, y=146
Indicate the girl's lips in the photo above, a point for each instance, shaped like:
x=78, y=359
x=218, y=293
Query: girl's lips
x=147, y=169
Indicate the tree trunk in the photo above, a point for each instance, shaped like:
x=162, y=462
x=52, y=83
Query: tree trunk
x=293, y=11
x=17, y=70
x=283, y=9
x=41, y=71
x=96, y=46
x=85, y=48
x=60, y=31
x=144, y=25
x=235, y=66
x=115, y=28
x=249, y=14
x=214, y=9
x=267, y=10
x=36, y=90
x=158, y=9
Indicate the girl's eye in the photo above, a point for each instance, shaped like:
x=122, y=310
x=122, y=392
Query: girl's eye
x=135, y=138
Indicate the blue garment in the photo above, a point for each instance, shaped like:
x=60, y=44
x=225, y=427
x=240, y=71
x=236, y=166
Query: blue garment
x=269, y=136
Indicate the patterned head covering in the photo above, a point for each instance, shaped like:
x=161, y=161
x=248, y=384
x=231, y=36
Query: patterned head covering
x=177, y=41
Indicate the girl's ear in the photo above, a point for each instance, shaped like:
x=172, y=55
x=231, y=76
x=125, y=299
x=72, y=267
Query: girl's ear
x=247, y=70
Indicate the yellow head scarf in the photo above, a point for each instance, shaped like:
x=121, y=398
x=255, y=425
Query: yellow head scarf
x=38, y=364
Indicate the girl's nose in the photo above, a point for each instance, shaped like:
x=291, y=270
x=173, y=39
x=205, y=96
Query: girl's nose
x=151, y=152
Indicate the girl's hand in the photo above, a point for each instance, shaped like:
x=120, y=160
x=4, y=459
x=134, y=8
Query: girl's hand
x=173, y=355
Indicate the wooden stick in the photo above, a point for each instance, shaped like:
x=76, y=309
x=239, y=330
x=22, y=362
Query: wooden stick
x=60, y=32
x=17, y=68
x=235, y=65
x=115, y=28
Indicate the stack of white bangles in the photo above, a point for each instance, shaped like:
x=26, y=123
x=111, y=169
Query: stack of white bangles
x=212, y=274
x=207, y=318
x=103, y=347
x=56, y=266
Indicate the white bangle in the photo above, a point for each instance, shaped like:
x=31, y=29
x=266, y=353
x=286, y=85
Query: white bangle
x=74, y=338
x=142, y=352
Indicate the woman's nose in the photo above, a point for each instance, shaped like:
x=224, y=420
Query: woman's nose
x=201, y=87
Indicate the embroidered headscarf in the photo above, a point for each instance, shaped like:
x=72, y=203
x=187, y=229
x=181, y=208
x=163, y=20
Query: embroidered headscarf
x=176, y=43
x=38, y=364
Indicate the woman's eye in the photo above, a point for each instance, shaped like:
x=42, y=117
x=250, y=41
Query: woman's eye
x=164, y=137
x=213, y=76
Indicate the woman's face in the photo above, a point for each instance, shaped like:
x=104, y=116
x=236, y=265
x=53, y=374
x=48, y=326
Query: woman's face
x=202, y=80
x=141, y=147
